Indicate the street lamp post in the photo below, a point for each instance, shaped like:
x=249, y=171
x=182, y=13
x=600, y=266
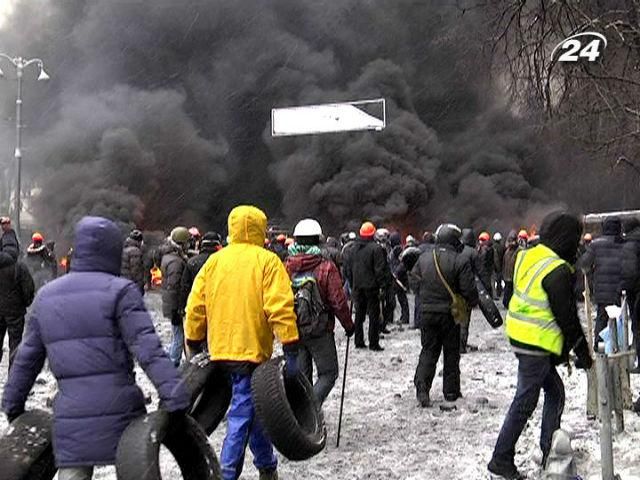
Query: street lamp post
x=20, y=64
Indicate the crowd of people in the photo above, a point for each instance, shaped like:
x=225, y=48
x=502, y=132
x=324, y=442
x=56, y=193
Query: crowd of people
x=231, y=295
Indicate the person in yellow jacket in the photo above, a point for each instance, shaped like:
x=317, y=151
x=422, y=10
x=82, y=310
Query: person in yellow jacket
x=240, y=299
x=542, y=326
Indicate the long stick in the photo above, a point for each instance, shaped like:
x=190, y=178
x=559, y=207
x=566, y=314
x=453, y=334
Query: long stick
x=344, y=380
x=604, y=403
x=592, y=378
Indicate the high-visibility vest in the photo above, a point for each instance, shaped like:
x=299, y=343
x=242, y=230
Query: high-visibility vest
x=530, y=320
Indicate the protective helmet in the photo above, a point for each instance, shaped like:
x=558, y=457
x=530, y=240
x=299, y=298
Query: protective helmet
x=307, y=228
x=211, y=238
x=410, y=240
x=180, y=235
x=194, y=232
x=448, y=233
x=352, y=236
x=136, y=235
x=289, y=241
x=484, y=237
x=367, y=230
x=5, y=220
x=37, y=237
x=523, y=234
x=381, y=235
x=587, y=237
x=497, y=236
x=281, y=238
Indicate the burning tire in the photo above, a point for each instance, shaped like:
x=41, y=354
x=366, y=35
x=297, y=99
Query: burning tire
x=138, y=452
x=210, y=390
x=288, y=411
x=26, y=452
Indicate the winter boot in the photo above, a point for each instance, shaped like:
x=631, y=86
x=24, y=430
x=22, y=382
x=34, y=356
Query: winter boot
x=423, y=398
x=504, y=471
x=268, y=474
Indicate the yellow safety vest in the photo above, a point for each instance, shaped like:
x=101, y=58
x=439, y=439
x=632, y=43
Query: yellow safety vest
x=530, y=319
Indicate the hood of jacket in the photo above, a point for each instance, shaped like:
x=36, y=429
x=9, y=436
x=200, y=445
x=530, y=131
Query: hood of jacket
x=468, y=237
x=6, y=260
x=303, y=262
x=612, y=226
x=561, y=231
x=247, y=224
x=97, y=246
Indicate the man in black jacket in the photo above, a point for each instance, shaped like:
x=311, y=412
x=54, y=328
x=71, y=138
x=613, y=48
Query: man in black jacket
x=16, y=294
x=211, y=242
x=468, y=254
x=542, y=326
x=9, y=240
x=439, y=332
x=366, y=270
x=631, y=279
x=604, y=258
x=133, y=260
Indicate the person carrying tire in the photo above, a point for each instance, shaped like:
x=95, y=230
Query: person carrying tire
x=542, y=326
x=240, y=298
x=368, y=274
x=319, y=298
x=90, y=325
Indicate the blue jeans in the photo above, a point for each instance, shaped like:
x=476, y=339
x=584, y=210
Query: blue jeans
x=535, y=373
x=243, y=428
x=177, y=344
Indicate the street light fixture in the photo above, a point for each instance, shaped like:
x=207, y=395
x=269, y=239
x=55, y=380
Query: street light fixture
x=20, y=64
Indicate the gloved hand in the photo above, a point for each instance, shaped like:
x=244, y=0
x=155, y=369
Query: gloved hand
x=291, y=369
x=12, y=416
x=584, y=360
x=350, y=331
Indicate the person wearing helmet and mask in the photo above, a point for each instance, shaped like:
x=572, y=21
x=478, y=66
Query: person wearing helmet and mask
x=542, y=326
x=40, y=261
x=316, y=278
x=366, y=270
x=172, y=266
x=133, y=259
x=439, y=332
x=345, y=254
x=194, y=242
x=240, y=300
x=469, y=254
x=498, y=259
x=8, y=239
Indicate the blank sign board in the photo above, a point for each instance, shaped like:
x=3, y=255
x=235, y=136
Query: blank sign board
x=329, y=117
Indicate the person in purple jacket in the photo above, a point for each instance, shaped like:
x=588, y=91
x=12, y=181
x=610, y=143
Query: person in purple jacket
x=91, y=325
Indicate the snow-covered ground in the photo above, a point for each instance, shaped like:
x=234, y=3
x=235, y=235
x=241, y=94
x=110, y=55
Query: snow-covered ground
x=385, y=435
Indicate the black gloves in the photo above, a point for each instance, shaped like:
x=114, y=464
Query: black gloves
x=12, y=416
x=584, y=360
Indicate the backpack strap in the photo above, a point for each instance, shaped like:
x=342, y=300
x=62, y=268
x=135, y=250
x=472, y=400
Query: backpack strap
x=444, y=281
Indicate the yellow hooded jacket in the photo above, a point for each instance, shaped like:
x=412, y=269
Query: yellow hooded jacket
x=242, y=295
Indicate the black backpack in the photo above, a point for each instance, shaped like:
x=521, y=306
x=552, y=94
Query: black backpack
x=312, y=315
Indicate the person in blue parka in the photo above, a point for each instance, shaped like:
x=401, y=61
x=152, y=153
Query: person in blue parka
x=90, y=325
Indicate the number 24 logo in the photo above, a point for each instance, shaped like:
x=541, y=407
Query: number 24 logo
x=574, y=50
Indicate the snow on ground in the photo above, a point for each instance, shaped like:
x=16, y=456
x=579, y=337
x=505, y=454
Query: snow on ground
x=385, y=435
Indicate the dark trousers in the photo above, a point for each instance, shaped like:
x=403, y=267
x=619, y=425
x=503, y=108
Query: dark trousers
x=508, y=292
x=404, y=303
x=464, y=335
x=498, y=284
x=535, y=373
x=322, y=352
x=388, y=306
x=439, y=333
x=15, y=327
x=367, y=301
x=417, y=310
x=602, y=320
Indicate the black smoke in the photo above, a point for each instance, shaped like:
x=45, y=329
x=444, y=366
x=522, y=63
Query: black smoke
x=158, y=113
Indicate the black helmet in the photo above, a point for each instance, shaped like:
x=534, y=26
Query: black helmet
x=136, y=235
x=448, y=234
x=211, y=239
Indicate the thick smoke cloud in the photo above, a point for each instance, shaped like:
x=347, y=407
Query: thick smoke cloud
x=158, y=113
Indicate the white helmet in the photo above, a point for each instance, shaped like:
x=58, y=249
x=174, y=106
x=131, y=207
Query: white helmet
x=352, y=236
x=307, y=228
x=497, y=237
x=410, y=240
x=381, y=235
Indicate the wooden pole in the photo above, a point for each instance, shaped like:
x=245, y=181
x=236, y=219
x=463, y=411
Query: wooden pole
x=592, y=377
x=604, y=406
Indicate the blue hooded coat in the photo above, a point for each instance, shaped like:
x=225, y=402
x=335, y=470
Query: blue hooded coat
x=90, y=325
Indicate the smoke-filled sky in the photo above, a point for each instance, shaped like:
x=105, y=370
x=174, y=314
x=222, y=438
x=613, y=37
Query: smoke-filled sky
x=158, y=113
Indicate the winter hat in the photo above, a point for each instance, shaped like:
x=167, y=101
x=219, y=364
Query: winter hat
x=612, y=226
